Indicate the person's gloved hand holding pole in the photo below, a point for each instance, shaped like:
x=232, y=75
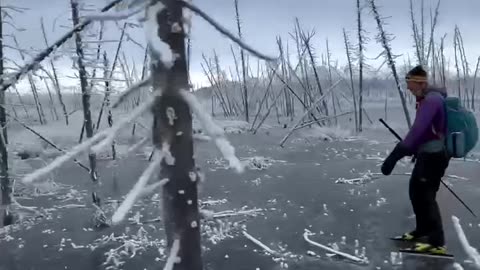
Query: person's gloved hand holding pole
x=399, y=152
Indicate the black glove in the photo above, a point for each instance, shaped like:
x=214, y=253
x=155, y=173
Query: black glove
x=398, y=153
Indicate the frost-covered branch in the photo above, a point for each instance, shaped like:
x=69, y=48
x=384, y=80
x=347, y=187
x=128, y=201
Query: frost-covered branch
x=110, y=136
x=225, y=32
x=173, y=257
x=59, y=161
x=33, y=64
x=77, y=150
x=115, y=16
x=314, y=105
x=138, y=189
x=214, y=131
x=45, y=139
x=134, y=88
x=471, y=251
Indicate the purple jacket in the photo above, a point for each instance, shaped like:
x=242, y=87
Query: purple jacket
x=430, y=122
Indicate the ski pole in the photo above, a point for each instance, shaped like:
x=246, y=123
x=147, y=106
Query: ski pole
x=449, y=189
x=395, y=134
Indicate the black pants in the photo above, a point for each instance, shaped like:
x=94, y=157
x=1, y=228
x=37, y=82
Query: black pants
x=424, y=184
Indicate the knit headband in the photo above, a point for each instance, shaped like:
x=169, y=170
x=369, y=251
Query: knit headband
x=415, y=78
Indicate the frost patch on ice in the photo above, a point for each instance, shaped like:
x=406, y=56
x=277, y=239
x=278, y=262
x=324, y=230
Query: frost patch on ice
x=215, y=231
x=363, y=179
x=251, y=163
x=260, y=163
x=128, y=246
x=213, y=202
x=396, y=258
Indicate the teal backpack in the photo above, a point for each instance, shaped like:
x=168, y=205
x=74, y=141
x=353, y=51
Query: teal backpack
x=462, y=129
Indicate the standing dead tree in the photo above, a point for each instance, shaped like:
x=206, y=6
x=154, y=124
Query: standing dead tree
x=12, y=80
x=244, y=68
x=56, y=82
x=6, y=189
x=475, y=83
x=384, y=38
x=171, y=132
x=33, y=87
x=361, y=62
x=87, y=115
x=457, y=68
x=465, y=67
x=348, y=49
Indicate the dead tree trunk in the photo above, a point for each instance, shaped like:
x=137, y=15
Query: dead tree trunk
x=56, y=82
x=85, y=97
x=244, y=68
x=348, y=47
x=106, y=100
x=172, y=130
x=20, y=99
x=114, y=65
x=53, y=109
x=5, y=180
x=384, y=38
x=475, y=83
x=33, y=87
x=360, y=66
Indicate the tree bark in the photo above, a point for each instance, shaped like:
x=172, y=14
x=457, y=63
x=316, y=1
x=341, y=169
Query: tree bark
x=180, y=195
x=87, y=115
x=6, y=189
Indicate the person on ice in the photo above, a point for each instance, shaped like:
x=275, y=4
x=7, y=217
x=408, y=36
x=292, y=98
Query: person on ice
x=425, y=141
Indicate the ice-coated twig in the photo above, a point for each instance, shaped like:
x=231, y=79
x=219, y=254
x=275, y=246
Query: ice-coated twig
x=45, y=53
x=471, y=251
x=134, y=88
x=43, y=138
x=346, y=255
x=116, y=16
x=112, y=133
x=138, y=145
x=260, y=244
x=214, y=131
x=83, y=147
x=173, y=257
x=314, y=105
x=59, y=161
x=137, y=189
x=225, y=32
x=229, y=213
x=152, y=187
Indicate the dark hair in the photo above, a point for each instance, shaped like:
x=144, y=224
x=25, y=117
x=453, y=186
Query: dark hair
x=417, y=71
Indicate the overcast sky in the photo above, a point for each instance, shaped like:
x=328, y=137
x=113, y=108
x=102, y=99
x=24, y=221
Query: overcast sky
x=263, y=21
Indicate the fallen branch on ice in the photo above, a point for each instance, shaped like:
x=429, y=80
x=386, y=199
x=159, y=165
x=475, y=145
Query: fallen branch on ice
x=346, y=255
x=260, y=244
x=471, y=251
